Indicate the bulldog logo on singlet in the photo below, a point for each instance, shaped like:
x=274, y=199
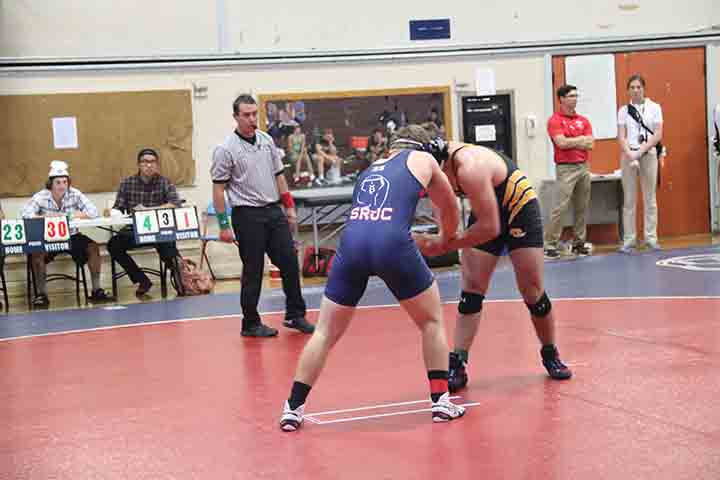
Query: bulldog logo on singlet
x=372, y=194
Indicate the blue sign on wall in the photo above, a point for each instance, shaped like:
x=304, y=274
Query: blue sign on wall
x=430, y=29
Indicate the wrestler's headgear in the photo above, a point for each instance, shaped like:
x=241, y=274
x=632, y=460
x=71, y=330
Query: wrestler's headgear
x=437, y=147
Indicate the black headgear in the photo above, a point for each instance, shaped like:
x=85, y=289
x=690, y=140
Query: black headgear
x=437, y=147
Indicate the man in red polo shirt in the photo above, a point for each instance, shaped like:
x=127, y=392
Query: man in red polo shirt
x=572, y=139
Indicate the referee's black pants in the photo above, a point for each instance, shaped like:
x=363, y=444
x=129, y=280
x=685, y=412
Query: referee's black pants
x=260, y=230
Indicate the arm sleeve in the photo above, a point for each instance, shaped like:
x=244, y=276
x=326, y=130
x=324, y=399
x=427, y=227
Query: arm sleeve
x=588, y=128
x=554, y=127
x=221, y=166
x=658, y=115
x=277, y=156
x=86, y=206
x=121, y=202
x=31, y=208
x=171, y=194
x=622, y=115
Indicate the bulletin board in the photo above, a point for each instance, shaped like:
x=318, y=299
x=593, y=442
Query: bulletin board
x=111, y=127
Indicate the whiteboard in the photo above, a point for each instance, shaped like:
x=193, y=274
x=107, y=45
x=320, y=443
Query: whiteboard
x=594, y=77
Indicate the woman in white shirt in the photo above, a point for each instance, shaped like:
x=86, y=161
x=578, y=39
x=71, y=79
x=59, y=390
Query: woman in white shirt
x=638, y=156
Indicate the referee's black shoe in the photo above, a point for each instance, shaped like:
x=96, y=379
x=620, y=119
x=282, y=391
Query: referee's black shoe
x=300, y=324
x=259, y=330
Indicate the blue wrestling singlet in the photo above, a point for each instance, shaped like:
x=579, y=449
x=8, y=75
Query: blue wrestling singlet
x=376, y=239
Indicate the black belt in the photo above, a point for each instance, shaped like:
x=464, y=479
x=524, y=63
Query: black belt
x=269, y=205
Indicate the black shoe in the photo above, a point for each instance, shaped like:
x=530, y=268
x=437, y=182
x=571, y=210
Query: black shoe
x=259, y=330
x=41, y=301
x=457, y=376
x=100, y=295
x=552, y=363
x=552, y=254
x=581, y=250
x=144, y=287
x=300, y=324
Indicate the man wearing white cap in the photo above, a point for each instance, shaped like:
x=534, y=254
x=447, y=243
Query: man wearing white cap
x=58, y=198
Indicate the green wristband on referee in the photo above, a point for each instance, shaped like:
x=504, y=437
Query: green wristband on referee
x=223, y=220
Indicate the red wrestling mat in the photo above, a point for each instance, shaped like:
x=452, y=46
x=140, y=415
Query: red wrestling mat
x=195, y=400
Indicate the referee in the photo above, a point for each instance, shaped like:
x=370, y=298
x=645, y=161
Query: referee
x=249, y=167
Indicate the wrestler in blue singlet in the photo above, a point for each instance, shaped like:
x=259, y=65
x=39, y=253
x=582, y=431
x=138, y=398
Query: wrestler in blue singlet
x=376, y=239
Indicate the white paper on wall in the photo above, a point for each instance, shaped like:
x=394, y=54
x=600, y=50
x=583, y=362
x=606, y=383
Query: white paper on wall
x=65, y=132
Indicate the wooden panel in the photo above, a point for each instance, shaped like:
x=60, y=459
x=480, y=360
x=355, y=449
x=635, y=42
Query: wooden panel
x=112, y=127
x=676, y=79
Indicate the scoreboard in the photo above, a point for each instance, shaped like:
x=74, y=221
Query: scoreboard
x=166, y=225
x=33, y=235
x=52, y=234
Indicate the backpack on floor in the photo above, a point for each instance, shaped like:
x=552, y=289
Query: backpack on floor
x=321, y=267
x=194, y=280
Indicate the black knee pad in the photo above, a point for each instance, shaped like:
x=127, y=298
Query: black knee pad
x=542, y=307
x=470, y=303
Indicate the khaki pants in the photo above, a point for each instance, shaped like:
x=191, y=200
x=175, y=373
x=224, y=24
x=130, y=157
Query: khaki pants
x=648, y=183
x=573, y=183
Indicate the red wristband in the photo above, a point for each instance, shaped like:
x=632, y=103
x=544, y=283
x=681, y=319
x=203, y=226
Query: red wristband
x=287, y=200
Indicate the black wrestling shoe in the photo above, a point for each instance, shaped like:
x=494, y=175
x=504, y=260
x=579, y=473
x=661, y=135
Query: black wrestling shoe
x=457, y=376
x=552, y=363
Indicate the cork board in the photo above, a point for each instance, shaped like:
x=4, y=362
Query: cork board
x=111, y=128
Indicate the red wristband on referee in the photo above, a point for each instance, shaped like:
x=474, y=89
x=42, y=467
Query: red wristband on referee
x=287, y=200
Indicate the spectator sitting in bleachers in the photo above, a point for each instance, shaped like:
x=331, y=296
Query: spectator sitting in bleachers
x=297, y=151
x=326, y=159
x=377, y=145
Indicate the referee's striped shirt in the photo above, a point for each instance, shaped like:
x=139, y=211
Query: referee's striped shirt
x=248, y=170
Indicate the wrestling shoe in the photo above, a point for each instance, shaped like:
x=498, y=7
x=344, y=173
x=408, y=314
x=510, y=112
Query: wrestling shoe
x=291, y=419
x=457, y=376
x=552, y=363
x=444, y=410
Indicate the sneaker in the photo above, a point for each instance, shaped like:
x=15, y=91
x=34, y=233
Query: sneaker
x=143, y=287
x=100, y=295
x=41, y=301
x=626, y=249
x=444, y=410
x=653, y=247
x=552, y=363
x=552, y=253
x=300, y=324
x=291, y=420
x=259, y=330
x=581, y=250
x=457, y=376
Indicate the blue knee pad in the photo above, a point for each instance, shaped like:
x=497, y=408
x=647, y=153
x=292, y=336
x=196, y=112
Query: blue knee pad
x=541, y=308
x=470, y=303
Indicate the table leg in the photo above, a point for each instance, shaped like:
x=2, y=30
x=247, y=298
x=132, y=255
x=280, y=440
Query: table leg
x=316, y=241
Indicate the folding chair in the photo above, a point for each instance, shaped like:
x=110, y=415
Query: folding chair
x=160, y=272
x=205, y=238
x=4, y=283
x=79, y=279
